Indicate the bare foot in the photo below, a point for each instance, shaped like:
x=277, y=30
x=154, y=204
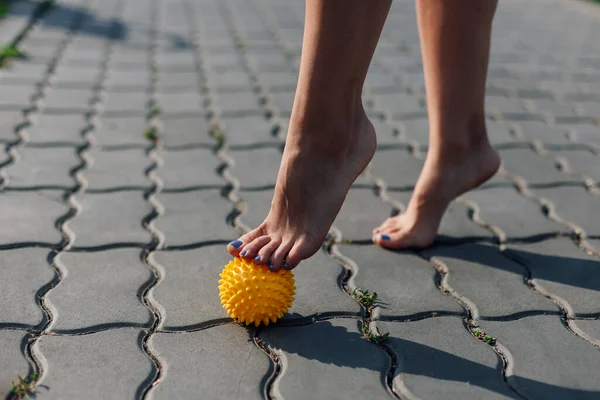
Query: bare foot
x=444, y=177
x=315, y=175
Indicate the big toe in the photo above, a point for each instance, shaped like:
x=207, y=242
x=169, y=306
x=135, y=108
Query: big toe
x=399, y=239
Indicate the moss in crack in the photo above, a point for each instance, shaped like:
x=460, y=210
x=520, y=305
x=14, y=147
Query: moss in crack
x=481, y=335
x=24, y=387
x=240, y=44
x=364, y=297
x=154, y=111
x=217, y=133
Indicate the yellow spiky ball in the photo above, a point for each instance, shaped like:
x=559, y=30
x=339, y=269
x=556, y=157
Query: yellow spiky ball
x=251, y=293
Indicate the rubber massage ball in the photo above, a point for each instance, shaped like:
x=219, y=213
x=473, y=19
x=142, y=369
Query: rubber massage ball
x=251, y=293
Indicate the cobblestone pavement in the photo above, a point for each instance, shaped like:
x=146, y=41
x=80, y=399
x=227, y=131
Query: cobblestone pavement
x=111, y=241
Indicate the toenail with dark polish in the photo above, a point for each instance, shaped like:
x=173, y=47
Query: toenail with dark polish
x=257, y=258
x=286, y=266
x=271, y=267
x=386, y=237
x=236, y=244
x=243, y=252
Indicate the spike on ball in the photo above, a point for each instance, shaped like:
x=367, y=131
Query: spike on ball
x=251, y=293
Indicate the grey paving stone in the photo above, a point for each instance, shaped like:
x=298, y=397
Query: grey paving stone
x=16, y=97
x=439, y=358
x=554, y=107
x=113, y=169
x=257, y=206
x=517, y=216
x=536, y=168
x=576, y=205
x=180, y=103
x=100, y=290
x=398, y=103
x=582, y=162
x=12, y=362
x=43, y=167
x=404, y=282
x=25, y=272
x=256, y=167
x=498, y=133
x=240, y=102
x=563, y=269
x=66, y=74
x=25, y=71
x=128, y=78
x=493, y=282
x=184, y=131
x=208, y=362
x=8, y=121
x=278, y=78
x=386, y=134
x=247, y=130
x=52, y=129
x=188, y=169
x=121, y=131
x=86, y=356
x=318, y=357
x=234, y=79
x=536, y=130
x=587, y=133
x=193, y=217
x=549, y=361
x=68, y=98
x=398, y=168
x=361, y=212
x=110, y=218
x=30, y=216
x=501, y=104
x=591, y=327
x=123, y=102
x=188, y=80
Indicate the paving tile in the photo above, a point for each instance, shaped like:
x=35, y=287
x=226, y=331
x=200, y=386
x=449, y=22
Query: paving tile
x=208, y=362
x=398, y=103
x=181, y=80
x=501, y=104
x=386, y=134
x=53, y=128
x=8, y=121
x=25, y=272
x=68, y=98
x=100, y=289
x=499, y=133
x=193, y=217
x=121, y=131
x=537, y=169
x=15, y=97
x=493, y=282
x=361, y=212
x=185, y=130
x=535, y=130
x=188, y=169
x=31, y=216
x=67, y=74
x=591, y=327
x=517, y=216
x=257, y=206
x=242, y=131
x=113, y=169
x=180, y=103
x=404, y=282
x=549, y=361
x=563, y=269
x=582, y=162
x=439, y=358
x=576, y=205
x=239, y=102
x=43, y=167
x=139, y=78
x=110, y=218
x=256, y=167
x=86, y=356
x=12, y=362
x=398, y=168
x=123, y=102
x=587, y=133
x=318, y=357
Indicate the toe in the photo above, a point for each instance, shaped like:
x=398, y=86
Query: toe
x=251, y=249
x=267, y=251
x=279, y=255
x=386, y=225
x=234, y=248
x=296, y=254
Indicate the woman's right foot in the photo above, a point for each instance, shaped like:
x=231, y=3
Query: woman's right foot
x=445, y=176
x=315, y=175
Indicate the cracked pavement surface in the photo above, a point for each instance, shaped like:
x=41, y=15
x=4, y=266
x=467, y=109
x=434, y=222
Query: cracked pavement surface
x=111, y=242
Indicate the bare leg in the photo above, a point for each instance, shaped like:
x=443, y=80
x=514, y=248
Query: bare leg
x=455, y=41
x=330, y=140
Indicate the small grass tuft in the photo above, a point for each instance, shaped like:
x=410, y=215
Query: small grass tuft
x=481, y=335
x=25, y=387
x=217, y=133
x=154, y=111
x=374, y=337
x=364, y=297
x=151, y=135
